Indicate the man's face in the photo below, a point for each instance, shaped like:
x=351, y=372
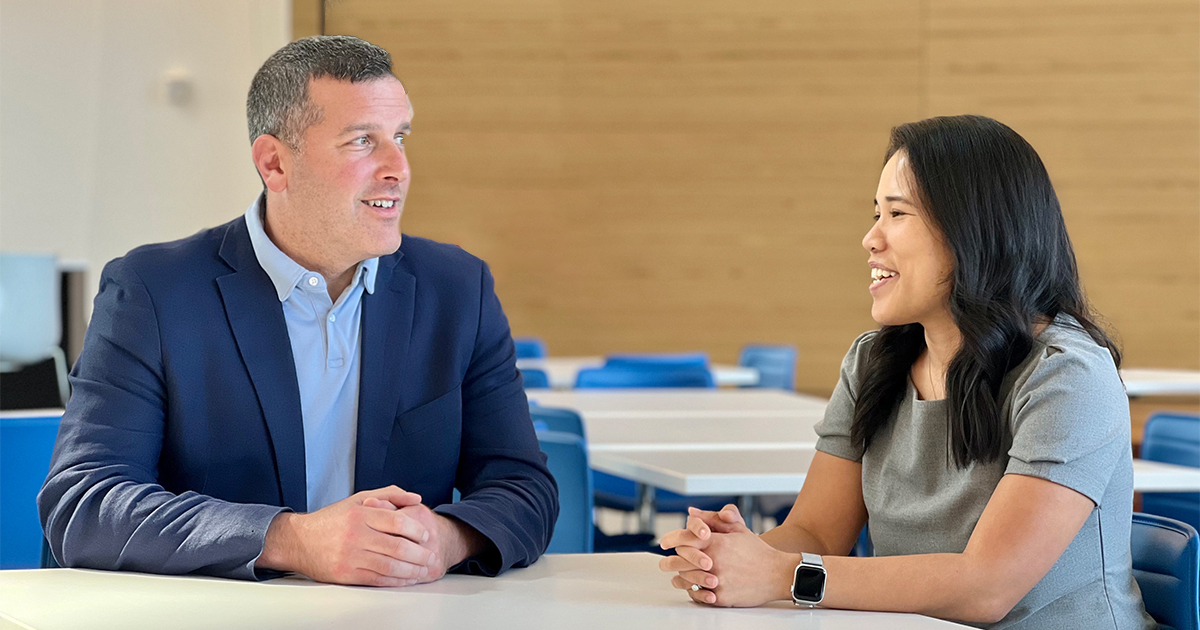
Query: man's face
x=350, y=177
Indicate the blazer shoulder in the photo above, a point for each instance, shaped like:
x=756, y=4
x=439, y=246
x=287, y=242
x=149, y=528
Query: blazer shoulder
x=173, y=260
x=427, y=258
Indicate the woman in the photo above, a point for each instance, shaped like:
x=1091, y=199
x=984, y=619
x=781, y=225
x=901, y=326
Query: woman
x=983, y=430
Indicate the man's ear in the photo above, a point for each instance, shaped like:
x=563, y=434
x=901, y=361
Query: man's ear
x=273, y=159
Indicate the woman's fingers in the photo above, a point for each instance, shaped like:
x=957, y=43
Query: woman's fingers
x=700, y=578
x=695, y=557
x=698, y=595
x=681, y=538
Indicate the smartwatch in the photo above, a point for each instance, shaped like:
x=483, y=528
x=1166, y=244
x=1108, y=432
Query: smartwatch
x=808, y=586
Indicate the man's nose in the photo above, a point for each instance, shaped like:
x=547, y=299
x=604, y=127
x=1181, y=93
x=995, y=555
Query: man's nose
x=394, y=164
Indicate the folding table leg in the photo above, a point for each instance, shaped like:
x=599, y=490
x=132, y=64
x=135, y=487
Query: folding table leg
x=645, y=508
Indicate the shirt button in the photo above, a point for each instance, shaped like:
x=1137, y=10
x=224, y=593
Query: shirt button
x=312, y=282
x=333, y=318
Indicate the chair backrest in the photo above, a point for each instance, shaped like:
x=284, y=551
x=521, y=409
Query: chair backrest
x=1166, y=565
x=1173, y=438
x=658, y=361
x=776, y=365
x=622, y=376
x=566, y=457
x=530, y=347
x=535, y=378
x=557, y=420
x=26, y=443
x=30, y=307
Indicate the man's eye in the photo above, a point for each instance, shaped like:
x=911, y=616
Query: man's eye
x=400, y=140
x=362, y=141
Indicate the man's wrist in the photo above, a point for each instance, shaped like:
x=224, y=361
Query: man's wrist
x=279, y=543
x=458, y=541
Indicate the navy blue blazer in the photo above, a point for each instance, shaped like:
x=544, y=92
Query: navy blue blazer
x=183, y=437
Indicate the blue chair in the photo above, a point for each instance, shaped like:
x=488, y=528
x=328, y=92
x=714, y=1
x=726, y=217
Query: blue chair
x=566, y=456
x=1166, y=565
x=558, y=420
x=1173, y=438
x=535, y=378
x=26, y=444
x=776, y=365
x=680, y=360
x=530, y=347
x=622, y=376
x=617, y=492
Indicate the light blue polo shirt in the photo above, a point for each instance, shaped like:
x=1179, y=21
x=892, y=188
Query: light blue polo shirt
x=327, y=349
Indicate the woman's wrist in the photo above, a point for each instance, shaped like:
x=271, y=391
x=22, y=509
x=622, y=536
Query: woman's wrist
x=786, y=574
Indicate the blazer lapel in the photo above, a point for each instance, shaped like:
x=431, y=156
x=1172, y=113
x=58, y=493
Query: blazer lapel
x=256, y=317
x=386, y=328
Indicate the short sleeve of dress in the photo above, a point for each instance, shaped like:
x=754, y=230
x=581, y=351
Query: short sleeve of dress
x=1070, y=417
x=833, y=431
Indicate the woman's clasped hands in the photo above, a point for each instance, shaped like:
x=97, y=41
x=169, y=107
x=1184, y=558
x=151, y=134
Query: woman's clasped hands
x=722, y=562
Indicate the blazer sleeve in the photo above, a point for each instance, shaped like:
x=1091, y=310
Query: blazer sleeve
x=508, y=494
x=101, y=506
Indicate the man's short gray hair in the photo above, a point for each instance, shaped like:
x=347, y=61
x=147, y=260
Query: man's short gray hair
x=278, y=102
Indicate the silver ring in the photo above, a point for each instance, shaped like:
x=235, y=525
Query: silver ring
x=695, y=587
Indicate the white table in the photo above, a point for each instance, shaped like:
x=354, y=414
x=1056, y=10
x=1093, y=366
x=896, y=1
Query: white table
x=1148, y=382
x=562, y=371
x=680, y=403
x=722, y=471
x=572, y=591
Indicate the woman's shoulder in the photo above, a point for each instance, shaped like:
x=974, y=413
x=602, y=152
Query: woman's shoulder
x=1066, y=358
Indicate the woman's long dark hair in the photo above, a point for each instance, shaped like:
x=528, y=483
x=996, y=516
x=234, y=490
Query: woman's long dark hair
x=984, y=188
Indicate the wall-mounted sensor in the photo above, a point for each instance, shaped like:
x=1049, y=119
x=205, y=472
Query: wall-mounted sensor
x=178, y=88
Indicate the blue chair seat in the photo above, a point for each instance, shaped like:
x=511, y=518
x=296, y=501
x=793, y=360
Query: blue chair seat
x=566, y=457
x=776, y=365
x=26, y=445
x=529, y=347
x=1173, y=438
x=535, y=378
x=623, y=376
x=1166, y=565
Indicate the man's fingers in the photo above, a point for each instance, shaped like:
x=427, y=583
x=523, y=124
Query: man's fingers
x=372, y=502
x=398, y=548
x=397, y=524
x=396, y=496
x=391, y=567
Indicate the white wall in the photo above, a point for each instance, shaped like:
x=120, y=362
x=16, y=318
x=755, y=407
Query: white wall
x=94, y=160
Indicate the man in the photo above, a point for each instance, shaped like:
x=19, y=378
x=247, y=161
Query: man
x=296, y=389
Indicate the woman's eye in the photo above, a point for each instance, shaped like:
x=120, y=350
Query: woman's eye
x=875, y=218
x=896, y=213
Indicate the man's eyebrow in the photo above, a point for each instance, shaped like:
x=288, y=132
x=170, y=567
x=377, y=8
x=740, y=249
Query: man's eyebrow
x=406, y=128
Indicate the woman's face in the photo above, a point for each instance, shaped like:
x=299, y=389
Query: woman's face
x=910, y=264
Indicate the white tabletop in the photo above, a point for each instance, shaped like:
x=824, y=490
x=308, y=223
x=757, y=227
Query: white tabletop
x=571, y=591
x=706, y=433
x=562, y=370
x=681, y=403
x=1148, y=382
x=723, y=471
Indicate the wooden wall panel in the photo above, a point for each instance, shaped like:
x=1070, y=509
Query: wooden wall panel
x=667, y=176
x=652, y=176
x=1108, y=92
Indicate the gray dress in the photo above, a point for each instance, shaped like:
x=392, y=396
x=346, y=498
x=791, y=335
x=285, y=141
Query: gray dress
x=1069, y=423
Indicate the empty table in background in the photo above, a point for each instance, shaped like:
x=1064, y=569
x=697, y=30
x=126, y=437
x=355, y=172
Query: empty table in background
x=562, y=371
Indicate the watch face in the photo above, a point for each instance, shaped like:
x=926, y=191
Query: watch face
x=809, y=585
